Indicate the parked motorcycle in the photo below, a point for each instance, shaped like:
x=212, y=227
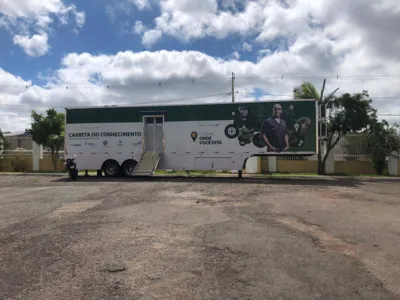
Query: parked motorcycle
x=72, y=169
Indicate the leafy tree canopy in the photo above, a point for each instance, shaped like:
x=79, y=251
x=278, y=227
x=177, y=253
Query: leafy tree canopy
x=45, y=127
x=48, y=130
x=3, y=142
x=383, y=139
x=306, y=91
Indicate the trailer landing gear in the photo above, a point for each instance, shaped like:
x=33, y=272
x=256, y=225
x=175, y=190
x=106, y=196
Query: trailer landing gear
x=240, y=174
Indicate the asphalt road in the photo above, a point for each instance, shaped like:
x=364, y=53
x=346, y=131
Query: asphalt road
x=172, y=238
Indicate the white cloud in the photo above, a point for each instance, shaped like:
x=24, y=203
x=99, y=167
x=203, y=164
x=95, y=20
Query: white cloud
x=126, y=7
x=235, y=55
x=7, y=80
x=141, y=4
x=247, y=47
x=80, y=18
x=44, y=21
x=188, y=20
x=30, y=8
x=139, y=27
x=41, y=11
x=352, y=24
x=263, y=53
x=33, y=46
x=150, y=37
x=135, y=77
x=22, y=17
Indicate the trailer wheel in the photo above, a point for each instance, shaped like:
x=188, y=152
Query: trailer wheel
x=111, y=168
x=231, y=131
x=128, y=168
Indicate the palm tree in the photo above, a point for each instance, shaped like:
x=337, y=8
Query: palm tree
x=306, y=91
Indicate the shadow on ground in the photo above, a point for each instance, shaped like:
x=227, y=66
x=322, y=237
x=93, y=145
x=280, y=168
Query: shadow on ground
x=323, y=181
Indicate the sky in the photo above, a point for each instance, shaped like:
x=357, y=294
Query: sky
x=59, y=53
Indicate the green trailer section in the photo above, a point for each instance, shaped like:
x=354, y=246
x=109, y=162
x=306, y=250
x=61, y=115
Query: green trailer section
x=244, y=119
x=258, y=111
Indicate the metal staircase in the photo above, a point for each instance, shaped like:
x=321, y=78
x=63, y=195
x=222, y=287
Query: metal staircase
x=148, y=164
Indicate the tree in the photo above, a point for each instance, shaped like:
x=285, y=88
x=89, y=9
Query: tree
x=4, y=144
x=382, y=141
x=348, y=114
x=48, y=131
x=308, y=91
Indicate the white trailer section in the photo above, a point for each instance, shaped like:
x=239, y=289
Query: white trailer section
x=132, y=141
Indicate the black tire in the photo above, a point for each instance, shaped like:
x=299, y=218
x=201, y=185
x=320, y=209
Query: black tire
x=231, y=131
x=257, y=141
x=128, y=168
x=74, y=175
x=111, y=168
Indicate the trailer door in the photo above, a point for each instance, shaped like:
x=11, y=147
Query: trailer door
x=154, y=133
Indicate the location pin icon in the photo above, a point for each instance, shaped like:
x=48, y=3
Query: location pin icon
x=194, y=136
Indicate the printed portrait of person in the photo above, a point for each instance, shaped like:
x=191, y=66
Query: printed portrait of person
x=274, y=131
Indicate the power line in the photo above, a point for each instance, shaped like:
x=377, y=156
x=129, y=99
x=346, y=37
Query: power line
x=157, y=83
x=320, y=77
x=291, y=95
x=383, y=98
x=161, y=83
x=137, y=103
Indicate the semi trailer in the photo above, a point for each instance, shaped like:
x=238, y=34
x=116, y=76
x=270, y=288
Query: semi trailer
x=138, y=140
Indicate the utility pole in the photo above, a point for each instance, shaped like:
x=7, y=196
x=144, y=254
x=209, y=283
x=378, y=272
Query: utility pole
x=233, y=87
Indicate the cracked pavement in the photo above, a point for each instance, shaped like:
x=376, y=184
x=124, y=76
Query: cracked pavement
x=199, y=238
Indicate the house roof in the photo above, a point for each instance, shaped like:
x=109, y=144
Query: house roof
x=21, y=133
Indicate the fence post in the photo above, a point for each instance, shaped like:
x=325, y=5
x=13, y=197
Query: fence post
x=393, y=164
x=272, y=164
x=37, y=155
x=252, y=165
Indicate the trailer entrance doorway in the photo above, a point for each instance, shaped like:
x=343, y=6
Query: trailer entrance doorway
x=154, y=133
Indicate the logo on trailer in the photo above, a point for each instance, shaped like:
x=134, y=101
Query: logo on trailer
x=120, y=143
x=105, y=143
x=194, y=136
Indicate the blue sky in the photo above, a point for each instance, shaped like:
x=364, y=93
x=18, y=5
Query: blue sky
x=102, y=34
x=148, y=41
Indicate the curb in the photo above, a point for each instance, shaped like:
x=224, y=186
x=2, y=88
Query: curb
x=250, y=176
x=34, y=174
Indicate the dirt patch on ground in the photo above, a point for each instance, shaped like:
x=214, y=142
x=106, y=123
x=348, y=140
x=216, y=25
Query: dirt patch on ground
x=74, y=208
x=321, y=238
x=203, y=197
